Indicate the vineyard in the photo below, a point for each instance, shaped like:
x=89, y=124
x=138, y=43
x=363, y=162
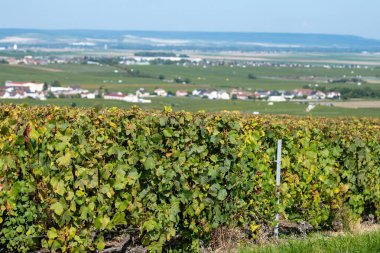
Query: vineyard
x=71, y=176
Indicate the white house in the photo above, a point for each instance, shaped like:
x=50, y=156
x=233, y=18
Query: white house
x=116, y=96
x=211, y=94
x=243, y=95
x=318, y=95
x=280, y=98
x=223, y=95
x=198, y=93
x=33, y=87
x=13, y=94
x=289, y=95
x=217, y=95
x=127, y=98
x=59, y=89
x=333, y=95
x=262, y=94
x=142, y=93
x=239, y=94
x=181, y=93
x=67, y=91
x=303, y=92
x=161, y=92
x=88, y=95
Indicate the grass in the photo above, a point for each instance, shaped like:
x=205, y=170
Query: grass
x=222, y=77
x=93, y=76
x=319, y=243
x=196, y=104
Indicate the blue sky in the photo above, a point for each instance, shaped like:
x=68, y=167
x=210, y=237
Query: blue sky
x=297, y=16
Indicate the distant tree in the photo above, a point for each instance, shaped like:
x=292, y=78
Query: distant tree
x=178, y=80
x=55, y=83
x=251, y=76
x=101, y=92
x=306, y=86
x=187, y=80
x=50, y=95
x=3, y=61
x=46, y=86
x=84, y=60
x=234, y=97
x=161, y=77
x=73, y=104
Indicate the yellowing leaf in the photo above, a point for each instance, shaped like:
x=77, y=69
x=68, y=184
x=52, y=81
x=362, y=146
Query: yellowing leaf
x=102, y=222
x=150, y=225
x=113, y=125
x=64, y=160
x=100, y=245
x=59, y=188
x=52, y=233
x=34, y=134
x=57, y=208
x=254, y=227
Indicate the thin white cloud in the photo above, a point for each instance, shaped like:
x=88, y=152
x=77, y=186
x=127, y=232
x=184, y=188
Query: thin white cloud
x=20, y=40
x=155, y=41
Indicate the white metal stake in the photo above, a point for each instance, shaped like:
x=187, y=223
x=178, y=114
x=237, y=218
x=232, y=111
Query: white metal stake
x=278, y=182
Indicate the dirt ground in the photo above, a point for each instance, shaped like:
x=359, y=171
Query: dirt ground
x=358, y=104
x=40, y=68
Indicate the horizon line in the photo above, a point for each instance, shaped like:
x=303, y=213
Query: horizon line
x=182, y=31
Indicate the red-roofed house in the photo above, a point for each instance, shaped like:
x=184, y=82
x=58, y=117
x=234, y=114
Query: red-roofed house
x=33, y=87
x=303, y=92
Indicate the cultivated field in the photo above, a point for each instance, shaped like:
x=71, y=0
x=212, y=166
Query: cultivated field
x=196, y=104
x=118, y=79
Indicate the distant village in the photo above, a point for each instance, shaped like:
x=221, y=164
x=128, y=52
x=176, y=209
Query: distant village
x=179, y=60
x=42, y=91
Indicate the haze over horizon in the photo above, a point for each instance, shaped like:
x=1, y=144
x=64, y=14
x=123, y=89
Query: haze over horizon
x=348, y=17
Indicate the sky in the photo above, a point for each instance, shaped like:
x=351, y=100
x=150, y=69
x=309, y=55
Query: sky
x=354, y=17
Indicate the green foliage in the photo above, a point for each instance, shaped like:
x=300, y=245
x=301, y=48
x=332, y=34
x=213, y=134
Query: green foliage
x=361, y=243
x=155, y=54
x=182, y=81
x=72, y=174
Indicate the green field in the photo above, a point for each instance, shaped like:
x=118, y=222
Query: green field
x=222, y=77
x=196, y=104
x=117, y=78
